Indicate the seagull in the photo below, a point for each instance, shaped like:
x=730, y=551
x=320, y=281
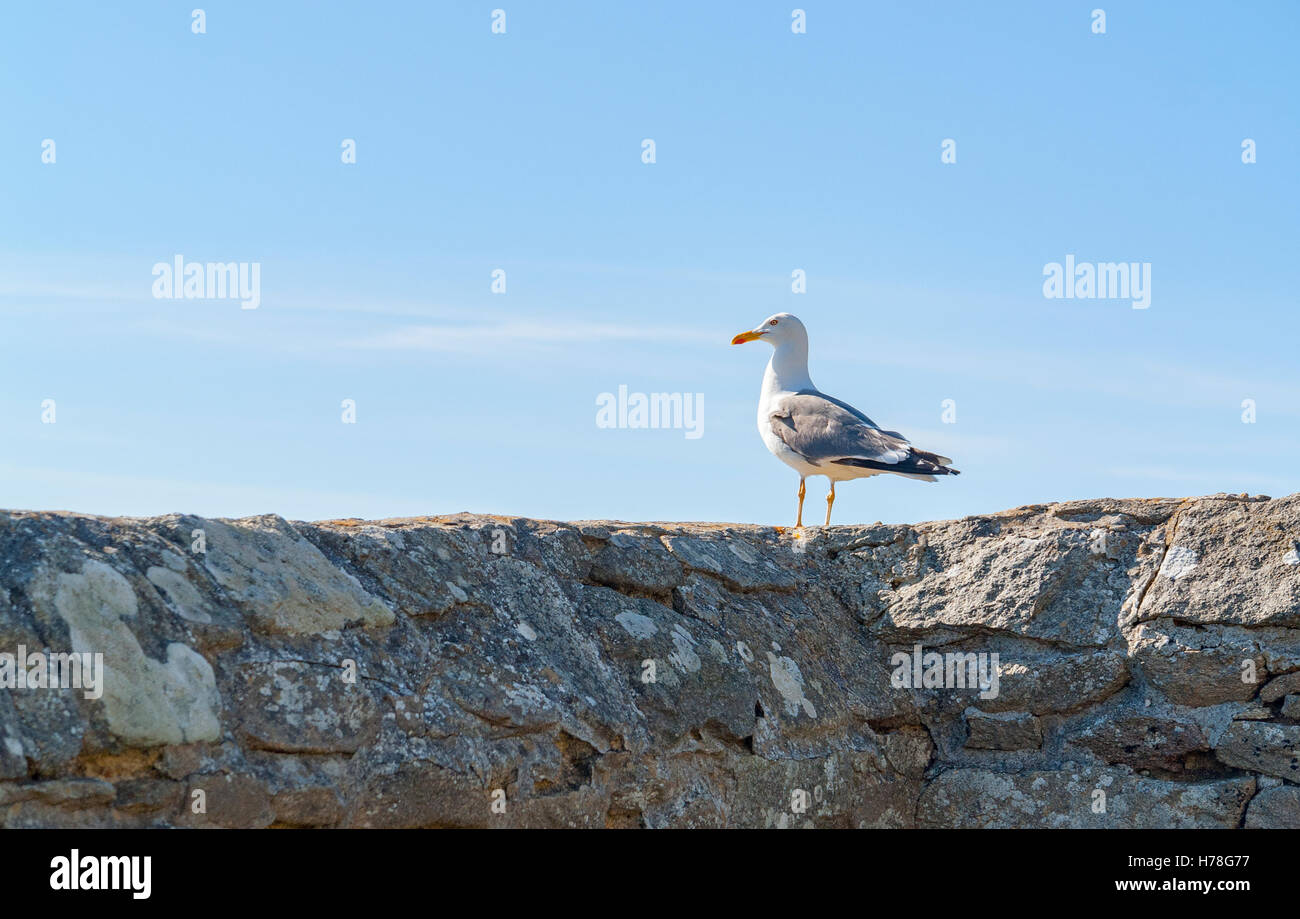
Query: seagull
x=817, y=434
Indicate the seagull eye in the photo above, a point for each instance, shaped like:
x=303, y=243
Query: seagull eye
x=773, y=322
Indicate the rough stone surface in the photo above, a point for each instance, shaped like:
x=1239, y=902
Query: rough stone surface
x=1271, y=749
x=1009, y=731
x=1165, y=743
x=1291, y=707
x=491, y=671
x=1275, y=809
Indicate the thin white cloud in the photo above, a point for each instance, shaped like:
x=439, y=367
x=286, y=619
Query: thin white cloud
x=110, y=494
x=1218, y=480
x=496, y=335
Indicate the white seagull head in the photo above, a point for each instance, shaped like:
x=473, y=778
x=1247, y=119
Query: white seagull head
x=778, y=330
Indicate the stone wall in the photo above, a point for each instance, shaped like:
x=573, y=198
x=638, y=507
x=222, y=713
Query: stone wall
x=485, y=671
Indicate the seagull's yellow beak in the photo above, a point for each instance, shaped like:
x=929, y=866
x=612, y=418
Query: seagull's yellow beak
x=746, y=336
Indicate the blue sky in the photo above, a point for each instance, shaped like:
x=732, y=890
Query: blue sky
x=522, y=151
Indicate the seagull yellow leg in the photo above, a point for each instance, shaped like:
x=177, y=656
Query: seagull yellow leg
x=799, y=522
x=830, y=500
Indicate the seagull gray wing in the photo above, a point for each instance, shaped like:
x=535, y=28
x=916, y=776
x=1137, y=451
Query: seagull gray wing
x=825, y=430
